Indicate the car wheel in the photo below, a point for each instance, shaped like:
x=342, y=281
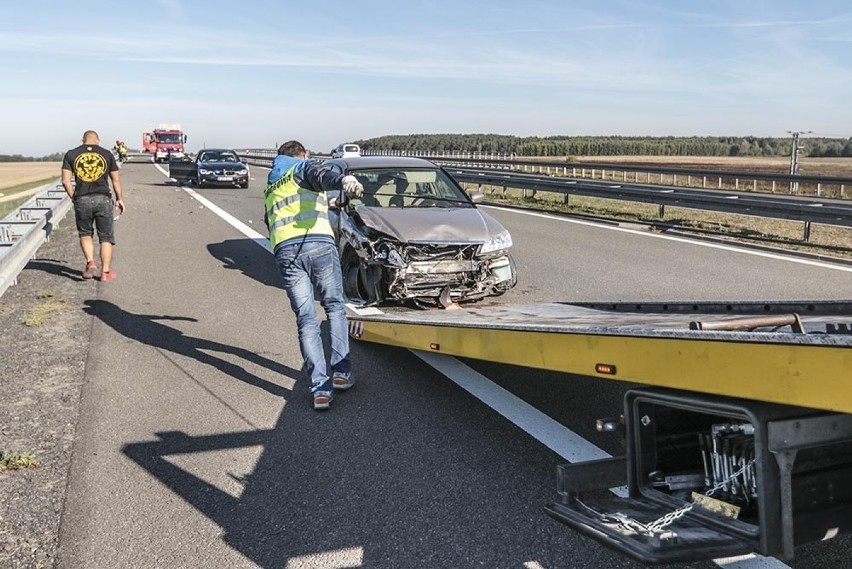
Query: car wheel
x=349, y=266
x=360, y=281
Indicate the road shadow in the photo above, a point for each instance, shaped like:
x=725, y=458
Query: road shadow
x=399, y=473
x=57, y=268
x=147, y=329
x=245, y=256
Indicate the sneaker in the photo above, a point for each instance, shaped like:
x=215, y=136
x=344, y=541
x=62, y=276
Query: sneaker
x=322, y=402
x=342, y=383
x=108, y=276
x=89, y=271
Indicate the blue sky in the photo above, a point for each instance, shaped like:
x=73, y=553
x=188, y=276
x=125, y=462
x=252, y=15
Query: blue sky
x=250, y=74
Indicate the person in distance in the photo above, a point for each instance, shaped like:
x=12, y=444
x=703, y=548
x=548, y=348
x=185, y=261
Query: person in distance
x=93, y=168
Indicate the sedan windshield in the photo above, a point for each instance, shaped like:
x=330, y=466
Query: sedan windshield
x=218, y=157
x=395, y=187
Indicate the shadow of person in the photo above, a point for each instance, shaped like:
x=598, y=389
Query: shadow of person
x=55, y=268
x=146, y=329
x=243, y=255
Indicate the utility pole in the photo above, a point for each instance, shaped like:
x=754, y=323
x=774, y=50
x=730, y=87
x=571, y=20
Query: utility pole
x=794, y=158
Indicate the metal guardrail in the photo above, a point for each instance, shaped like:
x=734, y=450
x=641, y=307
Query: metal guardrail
x=573, y=167
x=807, y=210
x=794, y=208
x=24, y=230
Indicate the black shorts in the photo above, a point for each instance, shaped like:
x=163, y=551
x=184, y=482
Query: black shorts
x=95, y=211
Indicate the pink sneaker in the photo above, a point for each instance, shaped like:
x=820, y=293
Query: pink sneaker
x=89, y=271
x=108, y=276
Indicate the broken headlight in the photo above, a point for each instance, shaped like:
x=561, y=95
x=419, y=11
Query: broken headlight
x=497, y=243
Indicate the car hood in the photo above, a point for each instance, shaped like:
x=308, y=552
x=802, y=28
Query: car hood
x=221, y=165
x=432, y=225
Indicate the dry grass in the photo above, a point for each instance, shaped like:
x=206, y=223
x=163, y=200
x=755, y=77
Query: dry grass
x=41, y=313
x=20, y=173
x=17, y=460
x=840, y=167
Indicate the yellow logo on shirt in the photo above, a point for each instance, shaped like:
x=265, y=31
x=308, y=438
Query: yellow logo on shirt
x=89, y=166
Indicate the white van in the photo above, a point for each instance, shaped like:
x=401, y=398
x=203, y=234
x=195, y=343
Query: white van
x=346, y=151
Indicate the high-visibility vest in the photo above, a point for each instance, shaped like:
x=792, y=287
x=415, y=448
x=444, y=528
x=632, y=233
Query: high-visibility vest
x=293, y=211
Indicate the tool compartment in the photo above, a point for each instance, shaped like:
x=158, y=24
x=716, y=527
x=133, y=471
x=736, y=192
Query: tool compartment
x=712, y=476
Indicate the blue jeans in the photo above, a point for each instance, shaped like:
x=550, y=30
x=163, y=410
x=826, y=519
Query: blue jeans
x=305, y=268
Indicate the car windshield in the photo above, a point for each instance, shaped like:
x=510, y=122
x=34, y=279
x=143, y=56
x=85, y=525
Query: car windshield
x=408, y=187
x=218, y=157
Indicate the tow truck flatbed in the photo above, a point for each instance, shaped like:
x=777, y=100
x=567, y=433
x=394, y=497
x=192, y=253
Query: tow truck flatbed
x=754, y=421
x=705, y=347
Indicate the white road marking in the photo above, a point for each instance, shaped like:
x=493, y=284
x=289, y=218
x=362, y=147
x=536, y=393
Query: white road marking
x=730, y=248
x=555, y=436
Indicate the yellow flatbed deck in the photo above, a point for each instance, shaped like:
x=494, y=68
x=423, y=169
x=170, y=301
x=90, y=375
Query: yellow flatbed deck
x=802, y=357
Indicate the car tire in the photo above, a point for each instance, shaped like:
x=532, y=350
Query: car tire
x=199, y=183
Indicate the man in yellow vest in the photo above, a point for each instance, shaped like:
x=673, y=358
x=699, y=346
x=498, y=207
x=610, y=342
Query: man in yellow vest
x=303, y=243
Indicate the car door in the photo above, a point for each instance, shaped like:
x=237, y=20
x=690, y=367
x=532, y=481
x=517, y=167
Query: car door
x=182, y=169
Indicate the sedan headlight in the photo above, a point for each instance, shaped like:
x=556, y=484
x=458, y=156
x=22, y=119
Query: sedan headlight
x=500, y=241
x=204, y=171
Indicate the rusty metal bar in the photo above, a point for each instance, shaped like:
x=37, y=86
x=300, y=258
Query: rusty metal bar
x=752, y=322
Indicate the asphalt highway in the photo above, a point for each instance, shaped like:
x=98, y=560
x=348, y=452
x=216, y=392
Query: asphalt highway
x=197, y=445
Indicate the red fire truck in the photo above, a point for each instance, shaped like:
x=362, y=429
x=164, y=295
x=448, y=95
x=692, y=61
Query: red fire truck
x=164, y=142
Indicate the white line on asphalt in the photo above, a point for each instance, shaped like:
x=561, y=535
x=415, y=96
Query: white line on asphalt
x=233, y=221
x=555, y=436
x=681, y=240
x=236, y=223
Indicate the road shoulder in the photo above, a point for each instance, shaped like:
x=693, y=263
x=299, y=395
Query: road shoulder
x=42, y=367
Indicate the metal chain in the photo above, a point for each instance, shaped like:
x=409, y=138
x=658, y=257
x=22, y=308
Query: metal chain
x=668, y=519
x=665, y=520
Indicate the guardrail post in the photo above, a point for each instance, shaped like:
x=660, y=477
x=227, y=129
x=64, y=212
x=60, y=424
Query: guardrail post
x=662, y=211
x=704, y=183
x=807, y=234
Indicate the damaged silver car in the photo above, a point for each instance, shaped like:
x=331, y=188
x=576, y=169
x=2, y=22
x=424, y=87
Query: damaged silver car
x=416, y=237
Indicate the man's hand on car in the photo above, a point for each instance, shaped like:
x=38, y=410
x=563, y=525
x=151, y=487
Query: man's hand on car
x=352, y=187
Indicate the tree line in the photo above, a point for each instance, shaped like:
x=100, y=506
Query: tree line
x=607, y=145
x=55, y=157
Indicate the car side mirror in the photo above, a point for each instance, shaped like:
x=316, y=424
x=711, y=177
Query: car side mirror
x=476, y=197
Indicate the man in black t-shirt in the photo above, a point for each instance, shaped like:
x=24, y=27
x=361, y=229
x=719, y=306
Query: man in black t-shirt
x=93, y=167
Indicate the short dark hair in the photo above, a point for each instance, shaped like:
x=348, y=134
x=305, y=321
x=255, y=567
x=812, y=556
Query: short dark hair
x=292, y=148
